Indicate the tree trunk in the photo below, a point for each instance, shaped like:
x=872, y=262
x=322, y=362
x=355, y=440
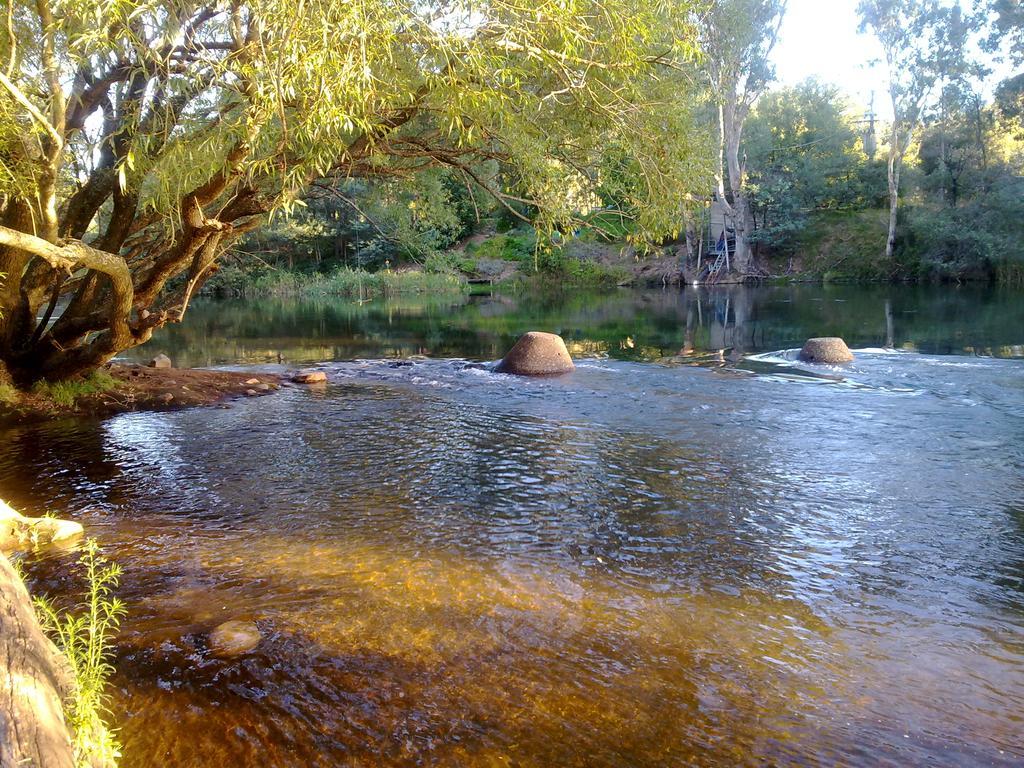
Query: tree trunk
x=895, y=165
x=34, y=682
x=690, y=239
x=742, y=219
x=744, y=225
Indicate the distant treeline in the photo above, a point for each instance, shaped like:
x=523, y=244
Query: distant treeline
x=812, y=184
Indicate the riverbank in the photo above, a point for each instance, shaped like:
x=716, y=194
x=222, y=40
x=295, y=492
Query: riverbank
x=828, y=246
x=833, y=246
x=355, y=283
x=122, y=388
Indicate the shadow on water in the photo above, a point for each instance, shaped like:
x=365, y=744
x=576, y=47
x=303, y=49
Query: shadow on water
x=729, y=563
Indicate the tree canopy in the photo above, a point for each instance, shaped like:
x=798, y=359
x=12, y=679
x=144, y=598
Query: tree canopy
x=139, y=138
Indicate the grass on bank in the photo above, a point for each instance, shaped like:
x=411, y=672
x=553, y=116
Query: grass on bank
x=84, y=635
x=67, y=393
x=846, y=245
x=575, y=272
x=9, y=395
x=355, y=283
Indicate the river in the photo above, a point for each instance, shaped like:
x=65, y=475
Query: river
x=692, y=550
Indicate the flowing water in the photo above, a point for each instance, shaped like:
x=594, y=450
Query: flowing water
x=692, y=550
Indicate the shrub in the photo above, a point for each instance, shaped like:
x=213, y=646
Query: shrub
x=1010, y=273
x=8, y=395
x=518, y=247
x=84, y=635
x=945, y=244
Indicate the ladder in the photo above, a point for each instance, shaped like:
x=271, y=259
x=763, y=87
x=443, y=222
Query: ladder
x=715, y=272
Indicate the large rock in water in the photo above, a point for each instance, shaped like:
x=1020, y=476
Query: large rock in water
x=309, y=377
x=233, y=638
x=537, y=354
x=160, y=361
x=830, y=351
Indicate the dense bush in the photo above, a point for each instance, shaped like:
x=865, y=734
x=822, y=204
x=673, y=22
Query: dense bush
x=515, y=245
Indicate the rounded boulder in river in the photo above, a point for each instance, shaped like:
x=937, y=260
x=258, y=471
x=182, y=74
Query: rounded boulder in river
x=830, y=351
x=234, y=638
x=537, y=354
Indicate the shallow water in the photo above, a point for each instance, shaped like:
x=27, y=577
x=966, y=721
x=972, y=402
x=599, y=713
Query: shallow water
x=661, y=559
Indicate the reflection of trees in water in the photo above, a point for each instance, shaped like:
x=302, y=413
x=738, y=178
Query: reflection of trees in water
x=938, y=320
x=719, y=320
x=729, y=321
x=61, y=466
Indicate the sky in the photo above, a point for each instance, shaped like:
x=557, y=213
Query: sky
x=819, y=39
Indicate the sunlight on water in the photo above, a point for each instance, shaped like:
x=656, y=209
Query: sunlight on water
x=551, y=666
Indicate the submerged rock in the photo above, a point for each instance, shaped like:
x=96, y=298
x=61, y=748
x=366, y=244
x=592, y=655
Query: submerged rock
x=831, y=350
x=309, y=377
x=234, y=638
x=160, y=361
x=20, y=532
x=537, y=354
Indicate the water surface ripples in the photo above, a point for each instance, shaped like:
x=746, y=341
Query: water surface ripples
x=636, y=564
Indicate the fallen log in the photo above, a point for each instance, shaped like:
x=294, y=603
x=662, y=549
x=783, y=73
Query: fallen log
x=34, y=682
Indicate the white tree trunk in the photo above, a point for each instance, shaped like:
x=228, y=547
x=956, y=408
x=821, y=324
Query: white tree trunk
x=732, y=118
x=895, y=167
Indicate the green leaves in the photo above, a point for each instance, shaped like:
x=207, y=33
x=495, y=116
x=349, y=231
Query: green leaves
x=84, y=635
x=315, y=88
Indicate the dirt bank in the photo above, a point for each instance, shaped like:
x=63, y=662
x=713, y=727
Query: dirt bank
x=137, y=388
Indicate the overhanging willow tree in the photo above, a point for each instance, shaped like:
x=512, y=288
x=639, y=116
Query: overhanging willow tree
x=140, y=139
